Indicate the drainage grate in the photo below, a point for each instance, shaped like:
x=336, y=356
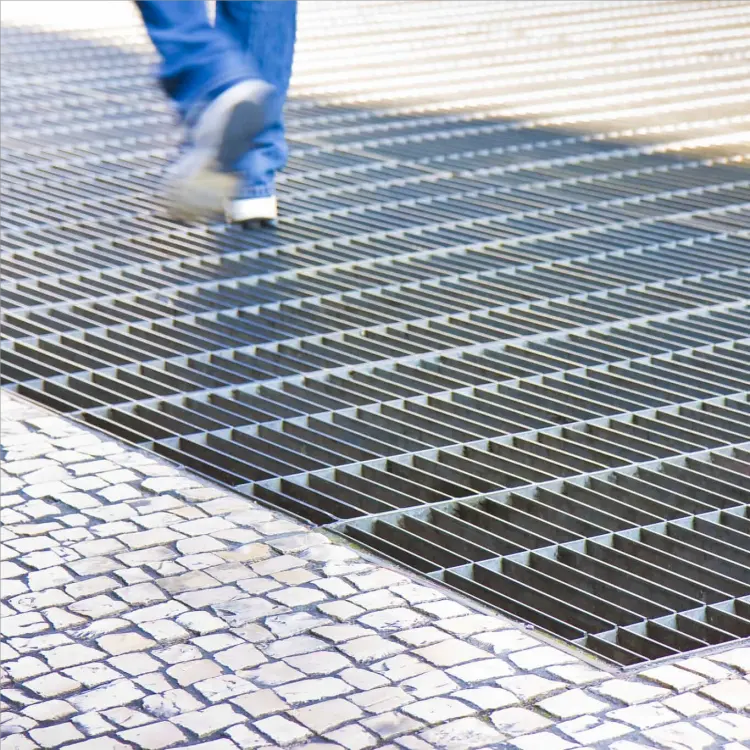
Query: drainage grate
x=502, y=339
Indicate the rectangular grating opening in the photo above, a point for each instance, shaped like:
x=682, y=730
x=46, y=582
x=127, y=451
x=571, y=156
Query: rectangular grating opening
x=500, y=336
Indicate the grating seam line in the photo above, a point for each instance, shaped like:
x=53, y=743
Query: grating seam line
x=308, y=344
x=425, y=177
x=337, y=279
x=425, y=161
x=509, y=151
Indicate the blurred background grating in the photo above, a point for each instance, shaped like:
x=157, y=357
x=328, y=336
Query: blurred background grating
x=502, y=333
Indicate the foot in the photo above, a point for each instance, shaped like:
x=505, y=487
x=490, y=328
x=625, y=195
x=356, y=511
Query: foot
x=243, y=210
x=204, y=178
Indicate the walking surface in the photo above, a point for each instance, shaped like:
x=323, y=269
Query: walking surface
x=496, y=351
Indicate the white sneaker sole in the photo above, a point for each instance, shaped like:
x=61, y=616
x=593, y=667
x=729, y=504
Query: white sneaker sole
x=197, y=189
x=252, y=209
x=202, y=181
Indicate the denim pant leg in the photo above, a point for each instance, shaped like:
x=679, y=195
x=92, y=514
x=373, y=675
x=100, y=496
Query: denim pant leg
x=198, y=61
x=265, y=32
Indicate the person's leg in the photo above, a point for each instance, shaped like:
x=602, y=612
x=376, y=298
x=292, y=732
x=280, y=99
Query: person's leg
x=265, y=32
x=197, y=62
x=219, y=93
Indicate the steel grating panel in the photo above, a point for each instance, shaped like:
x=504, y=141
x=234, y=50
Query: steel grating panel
x=637, y=564
x=501, y=335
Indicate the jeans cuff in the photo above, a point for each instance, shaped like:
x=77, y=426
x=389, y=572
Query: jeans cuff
x=256, y=191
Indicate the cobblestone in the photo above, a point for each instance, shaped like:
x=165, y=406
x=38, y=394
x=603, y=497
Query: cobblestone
x=680, y=736
x=392, y=724
x=261, y=703
x=275, y=674
x=282, y=730
x=25, y=667
x=370, y=648
x=518, y=721
x=171, y=703
x=190, y=672
x=486, y=697
x=56, y=735
x=91, y=675
x=482, y=670
x=464, y=733
x=116, y=693
x=155, y=736
x=529, y=687
x=52, y=685
x=306, y=691
x=593, y=729
x=738, y=658
x=124, y=643
x=352, y=737
x=450, y=653
x=689, y=704
x=429, y=684
x=183, y=633
x=572, y=703
x=675, y=678
x=323, y=717
x=546, y=740
x=631, y=692
x=734, y=694
x=729, y=726
x=382, y=699
x=436, y=710
x=49, y=711
x=71, y=656
x=210, y=720
x=319, y=662
x=645, y=716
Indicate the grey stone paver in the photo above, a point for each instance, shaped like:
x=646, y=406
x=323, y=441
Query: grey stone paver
x=147, y=609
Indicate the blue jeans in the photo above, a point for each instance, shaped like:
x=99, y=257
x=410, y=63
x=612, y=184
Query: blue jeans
x=199, y=61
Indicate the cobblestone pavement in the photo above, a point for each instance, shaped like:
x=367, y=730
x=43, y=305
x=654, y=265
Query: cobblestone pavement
x=143, y=608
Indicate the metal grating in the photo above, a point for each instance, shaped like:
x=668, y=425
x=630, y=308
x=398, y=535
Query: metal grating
x=502, y=335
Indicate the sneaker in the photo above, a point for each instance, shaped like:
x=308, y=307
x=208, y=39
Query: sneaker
x=243, y=210
x=203, y=179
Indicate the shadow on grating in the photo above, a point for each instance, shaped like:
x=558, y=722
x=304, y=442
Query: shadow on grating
x=508, y=354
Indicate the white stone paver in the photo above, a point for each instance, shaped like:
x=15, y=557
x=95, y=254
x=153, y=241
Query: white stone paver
x=148, y=609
